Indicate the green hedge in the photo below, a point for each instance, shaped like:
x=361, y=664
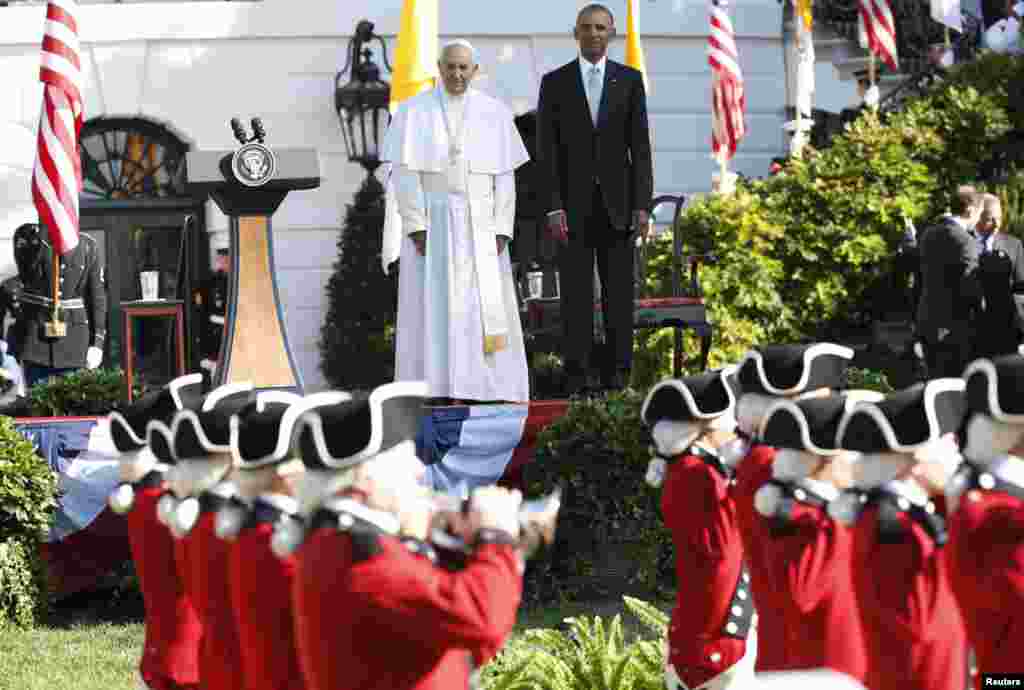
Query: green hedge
x=610, y=538
x=28, y=490
x=802, y=251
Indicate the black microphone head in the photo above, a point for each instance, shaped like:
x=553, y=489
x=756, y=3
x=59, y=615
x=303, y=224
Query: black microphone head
x=258, y=130
x=239, y=130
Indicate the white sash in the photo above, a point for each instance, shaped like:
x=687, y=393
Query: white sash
x=485, y=251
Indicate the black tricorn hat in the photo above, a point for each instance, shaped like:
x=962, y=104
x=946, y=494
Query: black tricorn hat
x=996, y=387
x=794, y=369
x=128, y=424
x=208, y=431
x=811, y=424
x=261, y=433
x=906, y=420
x=344, y=435
x=702, y=397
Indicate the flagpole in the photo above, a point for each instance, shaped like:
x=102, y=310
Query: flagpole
x=56, y=328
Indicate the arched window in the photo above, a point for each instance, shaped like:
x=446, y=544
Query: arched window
x=130, y=159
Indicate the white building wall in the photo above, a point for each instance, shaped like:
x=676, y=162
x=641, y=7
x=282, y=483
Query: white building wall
x=194, y=66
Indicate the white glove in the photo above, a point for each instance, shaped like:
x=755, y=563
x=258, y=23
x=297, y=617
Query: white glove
x=495, y=508
x=872, y=96
x=93, y=357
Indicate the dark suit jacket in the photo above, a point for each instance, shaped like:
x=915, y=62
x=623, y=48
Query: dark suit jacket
x=950, y=291
x=572, y=151
x=1013, y=250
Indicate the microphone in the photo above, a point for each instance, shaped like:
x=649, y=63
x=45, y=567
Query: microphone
x=239, y=130
x=259, y=133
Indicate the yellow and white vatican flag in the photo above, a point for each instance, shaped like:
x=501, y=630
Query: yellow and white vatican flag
x=414, y=72
x=802, y=61
x=634, y=49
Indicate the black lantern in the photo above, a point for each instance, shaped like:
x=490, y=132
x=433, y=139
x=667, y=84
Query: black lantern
x=362, y=103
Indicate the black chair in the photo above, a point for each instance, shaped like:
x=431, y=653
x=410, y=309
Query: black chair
x=685, y=307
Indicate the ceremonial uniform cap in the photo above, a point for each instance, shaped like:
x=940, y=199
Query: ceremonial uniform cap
x=261, y=433
x=208, y=431
x=995, y=402
x=698, y=398
x=811, y=424
x=128, y=424
x=905, y=421
x=794, y=369
x=995, y=387
x=340, y=436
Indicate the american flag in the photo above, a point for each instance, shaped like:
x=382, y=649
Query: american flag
x=727, y=99
x=57, y=177
x=878, y=30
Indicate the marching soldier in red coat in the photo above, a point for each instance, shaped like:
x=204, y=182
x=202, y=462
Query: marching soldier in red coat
x=986, y=523
x=200, y=442
x=170, y=652
x=766, y=375
x=711, y=638
x=807, y=551
x=912, y=623
x=267, y=476
x=374, y=611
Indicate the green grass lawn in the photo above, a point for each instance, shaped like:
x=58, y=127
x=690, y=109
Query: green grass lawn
x=84, y=650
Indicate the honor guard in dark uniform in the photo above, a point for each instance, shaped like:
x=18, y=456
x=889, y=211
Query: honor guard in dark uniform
x=212, y=299
x=712, y=639
x=912, y=624
x=170, y=655
x=766, y=375
x=260, y=572
x=807, y=551
x=200, y=442
x=83, y=303
x=374, y=610
x=986, y=522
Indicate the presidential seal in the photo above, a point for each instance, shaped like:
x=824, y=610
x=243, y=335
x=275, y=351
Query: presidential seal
x=254, y=164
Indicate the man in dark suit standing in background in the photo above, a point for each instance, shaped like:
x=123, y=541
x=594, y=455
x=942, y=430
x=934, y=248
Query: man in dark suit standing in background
x=950, y=291
x=1001, y=265
x=594, y=151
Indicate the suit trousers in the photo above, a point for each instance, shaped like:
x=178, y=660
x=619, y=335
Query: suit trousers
x=594, y=237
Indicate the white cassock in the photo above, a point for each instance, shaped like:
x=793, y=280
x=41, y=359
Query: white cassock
x=453, y=162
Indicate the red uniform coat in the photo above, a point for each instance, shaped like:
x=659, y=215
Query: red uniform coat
x=170, y=658
x=986, y=566
x=261, y=595
x=802, y=568
x=698, y=509
x=915, y=634
x=206, y=555
x=371, y=615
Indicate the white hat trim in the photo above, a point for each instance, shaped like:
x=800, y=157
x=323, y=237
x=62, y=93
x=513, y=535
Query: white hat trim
x=988, y=368
x=188, y=416
x=297, y=405
x=931, y=391
x=810, y=353
x=221, y=392
x=180, y=382
x=852, y=397
x=376, y=401
x=687, y=395
x=119, y=418
x=155, y=426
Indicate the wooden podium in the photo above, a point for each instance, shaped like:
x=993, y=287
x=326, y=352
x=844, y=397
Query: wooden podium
x=248, y=185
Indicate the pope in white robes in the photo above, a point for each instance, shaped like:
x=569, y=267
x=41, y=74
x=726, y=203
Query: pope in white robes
x=453, y=152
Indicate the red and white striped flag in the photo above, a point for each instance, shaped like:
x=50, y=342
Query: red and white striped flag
x=728, y=101
x=57, y=177
x=877, y=30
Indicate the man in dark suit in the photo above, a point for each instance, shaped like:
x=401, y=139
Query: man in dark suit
x=950, y=291
x=594, y=151
x=1001, y=265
